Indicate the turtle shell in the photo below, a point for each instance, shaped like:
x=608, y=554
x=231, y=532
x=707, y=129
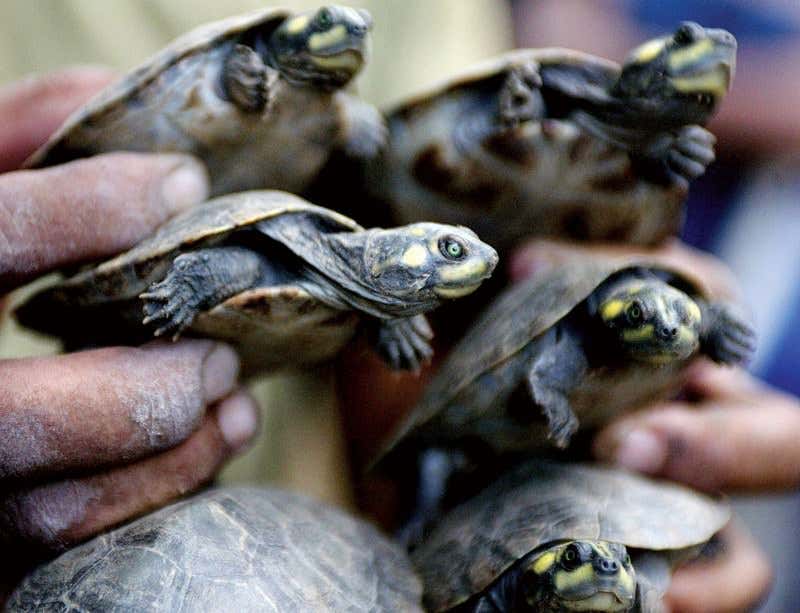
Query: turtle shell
x=233, y=549
x=541, y=501
x=297, y=327
x=116, y=96
x=512, y=323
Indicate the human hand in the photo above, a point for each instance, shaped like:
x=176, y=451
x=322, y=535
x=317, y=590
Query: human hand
x=729, y=433
x=94, y=438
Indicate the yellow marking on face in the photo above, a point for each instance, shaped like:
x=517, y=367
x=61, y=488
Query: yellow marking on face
x=627, y=579
x=467, y=270
x=580, y=576
x=687, y=335
x=455, y=292
x=603, y=550
x=297, y=24
x=323, y=40
x=694, y=311
x=417, y=232
x=715, y=82
x=612, y=309
x=414, y=256
x=643, y=333
x=544, y=562
x=648, y=51
x=602, y=601
x=680, y=59
x=347, y=60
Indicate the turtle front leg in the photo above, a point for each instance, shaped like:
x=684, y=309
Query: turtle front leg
x=690, y=154
x=552, y=376
x=404, y=343
x=198, y=281
x=247, y=82
x=364, y=132
x=725, y=337
x=520, y=97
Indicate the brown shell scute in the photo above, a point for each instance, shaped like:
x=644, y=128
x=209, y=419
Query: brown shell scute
x=243, y=549
x=543, y=501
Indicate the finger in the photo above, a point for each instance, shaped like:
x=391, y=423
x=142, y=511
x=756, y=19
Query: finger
x=735, y=580
x=745, y=441
x=540, y=255
x=94, y=408
x=89, y=209
x=57, y=515
x=34, y=108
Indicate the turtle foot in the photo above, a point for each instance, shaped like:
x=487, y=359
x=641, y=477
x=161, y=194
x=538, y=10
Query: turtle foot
x=731, y=341
x=520, y=99
x=690, y=154
x=172, y=304
x=246, y=80
x=405, y=343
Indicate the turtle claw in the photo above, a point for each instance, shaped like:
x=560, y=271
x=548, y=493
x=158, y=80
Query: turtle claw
x=690, y=154
x=246, y=80
x=405, y=343
x=520, y=99
x=170, y=305
x=730, y=340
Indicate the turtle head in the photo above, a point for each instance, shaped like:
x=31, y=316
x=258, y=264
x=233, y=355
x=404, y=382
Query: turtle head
x=651, y=320
x=433, y=262
x=580, y=575
x=324, y=48
x=679, y=79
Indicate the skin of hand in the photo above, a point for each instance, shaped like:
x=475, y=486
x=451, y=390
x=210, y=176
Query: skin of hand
x=726, y=415
x=94, y=438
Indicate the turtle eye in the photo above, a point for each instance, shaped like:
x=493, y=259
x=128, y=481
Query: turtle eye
x=571, y=558
x=627, y=559
x=324, y=19
x=634, y=314
x=686, y=34
x=451, y=248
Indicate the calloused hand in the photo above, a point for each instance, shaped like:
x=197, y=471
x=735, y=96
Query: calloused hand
x=94, y=438
x=730, y=432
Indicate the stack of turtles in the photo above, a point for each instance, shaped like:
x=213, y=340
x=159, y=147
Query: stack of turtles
x=538, y=142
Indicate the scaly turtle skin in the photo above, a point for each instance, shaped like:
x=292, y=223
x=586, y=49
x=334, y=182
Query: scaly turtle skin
x=560, y=143
x=577, y=346
x=257, y=97
x=283, y=280
x=233, y=549
x=550, y=537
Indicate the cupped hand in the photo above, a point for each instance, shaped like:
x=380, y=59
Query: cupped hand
x=94, y=438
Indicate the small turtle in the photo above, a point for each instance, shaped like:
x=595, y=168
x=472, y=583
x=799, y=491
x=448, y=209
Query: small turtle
x=281, y=279
x=576, y=346
x=557, y=142
x=232, y=549
x=257, y=97
x=553, y=537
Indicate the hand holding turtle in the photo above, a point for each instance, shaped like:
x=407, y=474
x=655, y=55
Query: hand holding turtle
x=94, y=438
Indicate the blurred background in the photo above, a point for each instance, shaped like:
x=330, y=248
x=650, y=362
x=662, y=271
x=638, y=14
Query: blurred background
x=746, y=209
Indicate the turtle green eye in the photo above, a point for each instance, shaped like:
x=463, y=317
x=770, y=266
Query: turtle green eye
x=452, y=249
x=324, y=19
x=634, y=314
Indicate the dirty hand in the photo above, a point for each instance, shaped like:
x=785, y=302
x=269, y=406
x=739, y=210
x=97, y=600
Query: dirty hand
x=94, y=438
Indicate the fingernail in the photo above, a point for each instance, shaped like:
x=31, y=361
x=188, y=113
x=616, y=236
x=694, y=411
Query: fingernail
x=641, y=451
x=185, y=186
x=219, y=372
x=238, y=420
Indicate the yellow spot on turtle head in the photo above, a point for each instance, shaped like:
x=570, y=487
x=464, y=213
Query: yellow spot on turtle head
x=471, y=269
x=636, y=335
x=414, y=256
x=417, y=232
x=694, y=311
x=582, y=575
x=611, y=309
x=688, y=56
x=647, y=52
x=544, y=562
x=297, y=24
x=323, y=40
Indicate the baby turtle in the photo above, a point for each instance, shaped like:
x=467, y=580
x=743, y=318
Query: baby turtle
x=281, y=279
x=576, y=346
x=565, y=537
x=257, y=97
x=561, y=143
x=232, y=549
